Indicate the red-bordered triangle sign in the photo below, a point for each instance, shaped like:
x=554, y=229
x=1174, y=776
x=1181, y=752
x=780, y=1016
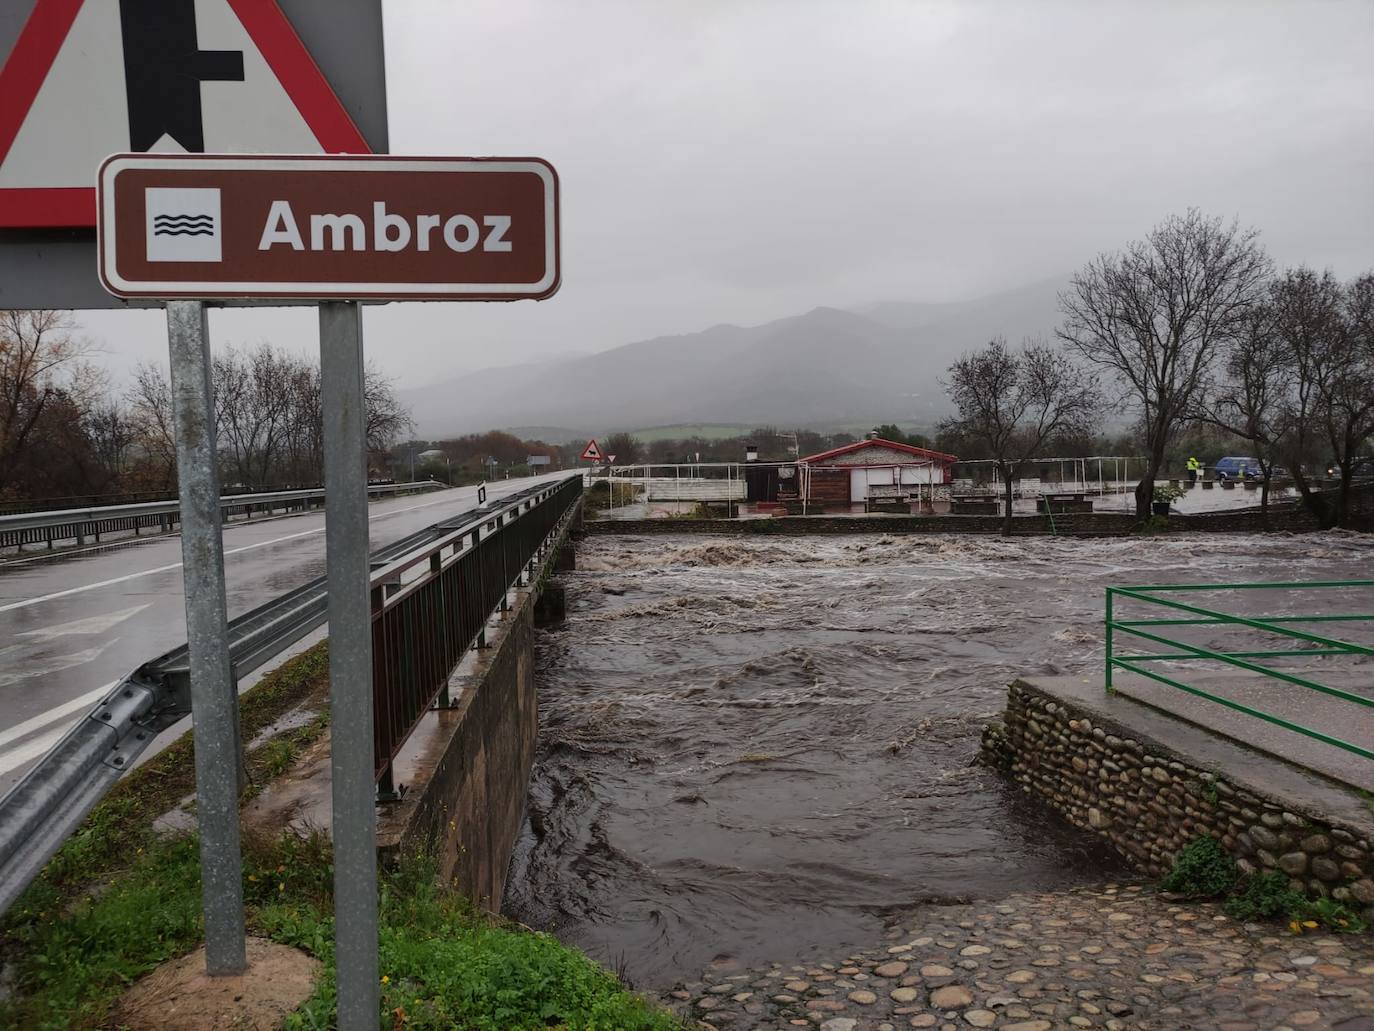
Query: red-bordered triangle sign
x=592, y=452
x=89, y=78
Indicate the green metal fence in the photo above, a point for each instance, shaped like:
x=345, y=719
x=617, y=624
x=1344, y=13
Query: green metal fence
x=1301, y=644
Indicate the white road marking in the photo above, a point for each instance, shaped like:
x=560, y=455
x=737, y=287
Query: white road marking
x=32, y=750
x=177, y=565
x=89, y=625
x=55, y=713
x=55, y=664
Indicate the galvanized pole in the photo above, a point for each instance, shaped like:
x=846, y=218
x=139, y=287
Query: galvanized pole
x=350, y=664
x=214, y=698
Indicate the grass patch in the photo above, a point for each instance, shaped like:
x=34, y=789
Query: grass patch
x=118, y=900
x=121, y=826
x=445, y=964
x=70, y=967
x=707, y=431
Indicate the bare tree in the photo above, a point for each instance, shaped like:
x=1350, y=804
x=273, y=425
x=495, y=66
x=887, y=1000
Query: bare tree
x=113, y=434
x=253, y=403
x=387, y=418
x=1253, y=400
x=1327, y=334
x=41, y=362
x=1157, y=315
x=150, y=405
x=1012, y=403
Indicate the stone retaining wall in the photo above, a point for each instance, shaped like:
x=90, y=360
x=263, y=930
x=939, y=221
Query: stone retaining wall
x=1148, y=803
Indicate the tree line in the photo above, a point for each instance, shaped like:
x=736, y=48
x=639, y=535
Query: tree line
x=65, y=433
x=493, y=454
x=1190, y=328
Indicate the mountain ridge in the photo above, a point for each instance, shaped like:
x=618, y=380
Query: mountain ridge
x=877, y=362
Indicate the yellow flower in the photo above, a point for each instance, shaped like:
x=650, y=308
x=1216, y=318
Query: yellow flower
x=1295, y=927
x=386, y=979
x=1309, y=923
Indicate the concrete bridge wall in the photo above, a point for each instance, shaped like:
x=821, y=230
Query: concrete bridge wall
x=466, y=769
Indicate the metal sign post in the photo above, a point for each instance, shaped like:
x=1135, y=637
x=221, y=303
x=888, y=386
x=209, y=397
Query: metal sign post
x=214, y=698
x=332, y=230
x=350, y=663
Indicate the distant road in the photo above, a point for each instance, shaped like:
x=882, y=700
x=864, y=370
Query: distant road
x=72, y=625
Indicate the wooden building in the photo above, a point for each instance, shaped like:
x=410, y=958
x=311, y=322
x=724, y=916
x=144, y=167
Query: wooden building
x=870, y=471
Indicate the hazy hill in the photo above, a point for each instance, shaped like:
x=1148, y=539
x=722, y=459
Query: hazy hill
x=879, y=363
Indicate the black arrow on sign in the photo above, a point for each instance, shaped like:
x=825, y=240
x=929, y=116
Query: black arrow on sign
x=163, y=70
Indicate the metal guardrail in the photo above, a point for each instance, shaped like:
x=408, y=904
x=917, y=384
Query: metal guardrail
x=40, y=812
x=80, y=523
x=18, y=506
x=1186, y=615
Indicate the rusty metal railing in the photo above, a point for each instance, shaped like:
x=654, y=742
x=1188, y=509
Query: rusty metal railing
x=431, y=606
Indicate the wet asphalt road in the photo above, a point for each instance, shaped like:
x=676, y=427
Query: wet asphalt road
x=71, y=625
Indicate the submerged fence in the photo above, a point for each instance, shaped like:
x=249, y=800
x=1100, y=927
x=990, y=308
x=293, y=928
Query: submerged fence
x=1296, y=643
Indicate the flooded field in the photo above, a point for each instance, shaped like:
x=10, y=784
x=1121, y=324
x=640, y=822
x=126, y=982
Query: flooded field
x=753, y=749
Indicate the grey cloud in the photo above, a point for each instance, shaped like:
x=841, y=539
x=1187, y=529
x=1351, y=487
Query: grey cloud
x=743, y=161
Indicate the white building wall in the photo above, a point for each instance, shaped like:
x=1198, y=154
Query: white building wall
x=908, y=475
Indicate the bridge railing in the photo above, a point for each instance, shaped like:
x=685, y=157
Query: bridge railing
x=82, y=524
x=498, y=539
x=1161, y=630
x=432, y=605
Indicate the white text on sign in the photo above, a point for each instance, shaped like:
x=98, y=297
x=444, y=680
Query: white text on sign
x=390, y=232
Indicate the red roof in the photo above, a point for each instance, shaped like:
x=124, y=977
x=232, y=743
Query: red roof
x=911, y=449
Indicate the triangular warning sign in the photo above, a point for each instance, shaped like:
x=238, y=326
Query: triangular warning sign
x=90, y=78
x=592, y=452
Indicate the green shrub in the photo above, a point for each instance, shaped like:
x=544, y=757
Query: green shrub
x=1202, y=869
x=1269, y=896
x=1333, y=915
x=1265, y=896
x=1153, y=524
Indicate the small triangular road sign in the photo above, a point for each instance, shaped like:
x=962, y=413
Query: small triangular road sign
x=90, y=78
x=592, y=452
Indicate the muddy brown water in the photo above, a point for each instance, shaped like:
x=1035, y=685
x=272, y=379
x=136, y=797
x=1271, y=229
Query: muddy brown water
x=753, y=749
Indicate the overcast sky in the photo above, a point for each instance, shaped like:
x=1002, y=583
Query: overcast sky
x=741, y=160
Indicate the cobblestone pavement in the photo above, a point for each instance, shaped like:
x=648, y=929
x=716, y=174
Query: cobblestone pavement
x=1111, y=957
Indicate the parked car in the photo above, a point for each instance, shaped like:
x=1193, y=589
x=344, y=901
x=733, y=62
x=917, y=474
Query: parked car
x=1238, y=468
x=1360, y=468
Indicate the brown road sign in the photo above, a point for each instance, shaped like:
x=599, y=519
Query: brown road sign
x=346, y=226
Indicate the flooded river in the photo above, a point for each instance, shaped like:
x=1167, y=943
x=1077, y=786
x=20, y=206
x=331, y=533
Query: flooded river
x=754, y=748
